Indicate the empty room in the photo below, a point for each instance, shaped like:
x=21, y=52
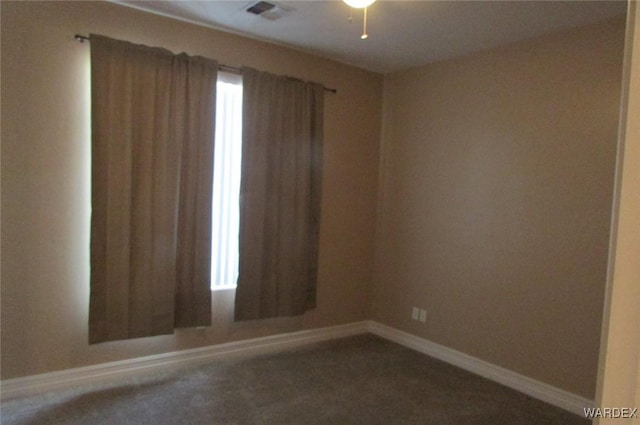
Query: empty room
x=320, y=212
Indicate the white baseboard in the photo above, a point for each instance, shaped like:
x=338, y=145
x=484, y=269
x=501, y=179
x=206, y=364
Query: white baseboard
x=112, y=371
x=536, y=389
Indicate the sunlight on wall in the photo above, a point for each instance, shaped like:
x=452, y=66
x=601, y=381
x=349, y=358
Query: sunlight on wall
x=81, y=176
x=48, y=203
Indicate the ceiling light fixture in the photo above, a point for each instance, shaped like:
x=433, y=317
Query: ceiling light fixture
x=361, y=4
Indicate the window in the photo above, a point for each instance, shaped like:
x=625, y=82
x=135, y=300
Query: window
x=226, y=182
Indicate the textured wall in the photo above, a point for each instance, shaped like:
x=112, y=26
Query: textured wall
x=496, y=194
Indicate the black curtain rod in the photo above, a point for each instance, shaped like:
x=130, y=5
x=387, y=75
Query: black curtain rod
x=221, y=67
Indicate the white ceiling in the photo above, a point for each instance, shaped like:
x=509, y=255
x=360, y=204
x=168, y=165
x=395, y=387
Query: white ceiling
x=402, y=34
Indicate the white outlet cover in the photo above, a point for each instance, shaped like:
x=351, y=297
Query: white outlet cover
x=415, y=313
x=423, y=316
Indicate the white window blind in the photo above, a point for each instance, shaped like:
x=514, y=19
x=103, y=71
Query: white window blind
x=226, y=182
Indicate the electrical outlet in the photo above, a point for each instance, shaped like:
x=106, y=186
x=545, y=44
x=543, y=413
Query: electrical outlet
x=423, y=316
x=415, y=313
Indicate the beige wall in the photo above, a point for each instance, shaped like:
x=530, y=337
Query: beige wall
x=45, y=182
x=496, y=192
x=619, y=377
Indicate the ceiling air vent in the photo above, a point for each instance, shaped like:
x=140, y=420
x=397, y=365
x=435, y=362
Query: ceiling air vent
x=267, y=10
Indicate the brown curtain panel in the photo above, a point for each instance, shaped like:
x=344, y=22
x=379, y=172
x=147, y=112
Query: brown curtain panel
x=153, y=116
x=279, y=196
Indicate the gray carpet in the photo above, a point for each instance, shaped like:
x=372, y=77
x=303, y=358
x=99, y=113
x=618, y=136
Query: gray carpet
x=357, y=380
